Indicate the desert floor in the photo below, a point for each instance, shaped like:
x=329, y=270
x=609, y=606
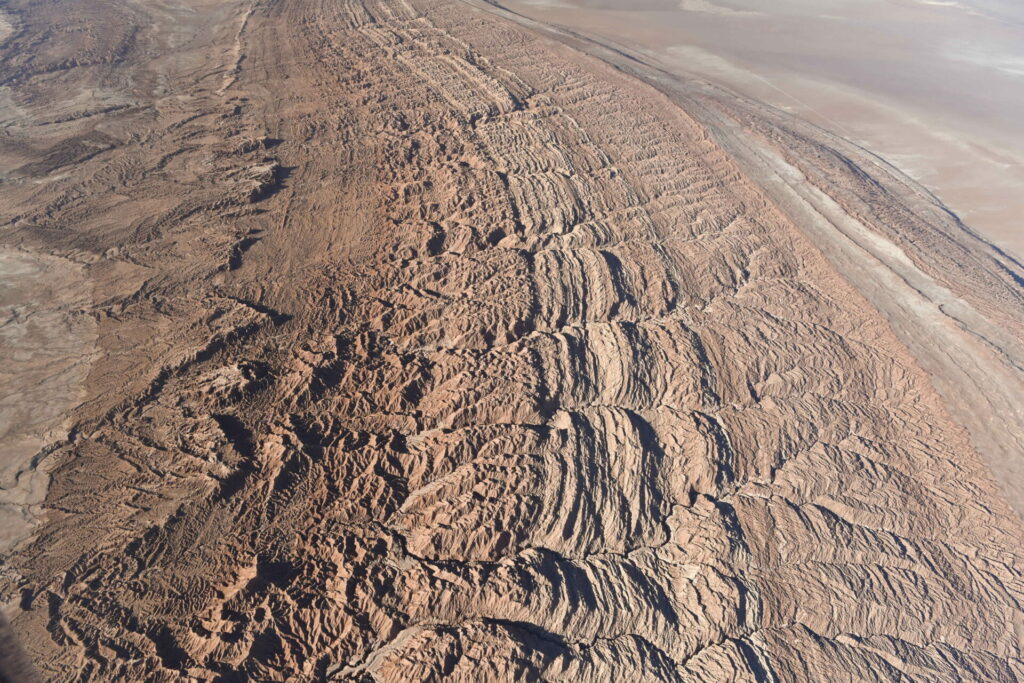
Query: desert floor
x=403, y=340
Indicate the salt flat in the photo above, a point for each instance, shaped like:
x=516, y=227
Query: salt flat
x=936, y=87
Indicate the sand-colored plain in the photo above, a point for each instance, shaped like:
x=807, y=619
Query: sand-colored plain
x=936, y=88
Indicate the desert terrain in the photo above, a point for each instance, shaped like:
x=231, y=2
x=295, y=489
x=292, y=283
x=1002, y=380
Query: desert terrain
x=411, y=340
x=934, y=86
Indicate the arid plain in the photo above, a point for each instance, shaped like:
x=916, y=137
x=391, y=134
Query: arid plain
x=403, y=340
x=933, y=86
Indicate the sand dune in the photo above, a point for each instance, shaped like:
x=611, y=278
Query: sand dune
x=432, y=342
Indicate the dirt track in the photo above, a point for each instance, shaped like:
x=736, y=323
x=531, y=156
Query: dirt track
x=427, y=342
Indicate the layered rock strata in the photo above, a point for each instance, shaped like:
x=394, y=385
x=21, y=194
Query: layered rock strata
x=430, y=346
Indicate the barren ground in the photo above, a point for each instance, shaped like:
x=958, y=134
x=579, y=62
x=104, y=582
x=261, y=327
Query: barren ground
x=934, y=86
x=406, y=340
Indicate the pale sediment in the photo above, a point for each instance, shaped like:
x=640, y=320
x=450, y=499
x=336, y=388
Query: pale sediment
x=6, y=26
x=46, y=340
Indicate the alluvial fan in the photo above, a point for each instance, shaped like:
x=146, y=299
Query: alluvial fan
x=430, y=343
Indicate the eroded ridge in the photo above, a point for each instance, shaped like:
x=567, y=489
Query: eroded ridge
x=480, y=359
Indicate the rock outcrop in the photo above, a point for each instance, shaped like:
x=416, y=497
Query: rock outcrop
x=432, y=346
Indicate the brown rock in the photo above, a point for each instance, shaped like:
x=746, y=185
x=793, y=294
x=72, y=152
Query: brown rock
x=523, y=365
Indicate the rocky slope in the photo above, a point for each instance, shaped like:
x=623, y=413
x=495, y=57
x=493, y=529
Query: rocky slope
x=428, y=343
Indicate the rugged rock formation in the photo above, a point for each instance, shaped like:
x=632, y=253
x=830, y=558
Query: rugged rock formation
x=430, y=344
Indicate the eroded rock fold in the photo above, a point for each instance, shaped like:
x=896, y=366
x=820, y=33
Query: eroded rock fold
x=430, y=346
